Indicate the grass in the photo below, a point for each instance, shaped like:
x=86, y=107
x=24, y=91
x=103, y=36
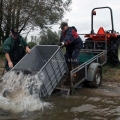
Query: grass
x=2, y=61
x=2, y=56
x=107, y=67
x=111, y=73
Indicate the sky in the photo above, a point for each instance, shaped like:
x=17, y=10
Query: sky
x=80, y=16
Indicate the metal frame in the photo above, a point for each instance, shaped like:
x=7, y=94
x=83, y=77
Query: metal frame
x=92, y=31
x=86, y=64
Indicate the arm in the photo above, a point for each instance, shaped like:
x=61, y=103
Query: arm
x=10, y=64
x=71, y=35
x=27, y=49
x=6, y=49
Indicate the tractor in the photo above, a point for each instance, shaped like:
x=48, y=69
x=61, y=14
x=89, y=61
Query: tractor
x=104, y=40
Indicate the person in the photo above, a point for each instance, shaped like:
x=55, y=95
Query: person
x=73, y=43
x=14, y=48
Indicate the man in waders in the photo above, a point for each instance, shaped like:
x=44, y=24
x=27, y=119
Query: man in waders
x=14, y=47
x=73, y=43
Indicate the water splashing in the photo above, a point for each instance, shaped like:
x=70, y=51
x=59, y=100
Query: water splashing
x=19, y=91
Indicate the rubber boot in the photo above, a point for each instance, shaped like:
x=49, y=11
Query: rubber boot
x=74, y=66
x=69, y=67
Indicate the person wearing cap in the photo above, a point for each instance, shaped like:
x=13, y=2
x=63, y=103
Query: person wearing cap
x=73, y=43
x=14, y=48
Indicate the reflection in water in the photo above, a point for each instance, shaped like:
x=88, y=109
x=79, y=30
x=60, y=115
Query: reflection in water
x=85, y=104
x=83, y=108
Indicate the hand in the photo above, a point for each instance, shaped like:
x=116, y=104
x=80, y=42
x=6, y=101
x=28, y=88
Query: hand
x=28, y=50
x=61, y=44
x=10, y=64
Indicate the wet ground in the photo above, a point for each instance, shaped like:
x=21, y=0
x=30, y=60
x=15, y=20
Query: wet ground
x=85, y=104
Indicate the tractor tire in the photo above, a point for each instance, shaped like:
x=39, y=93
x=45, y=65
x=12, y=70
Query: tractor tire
x=97, y=79
x=88, y=44
x=113, y=53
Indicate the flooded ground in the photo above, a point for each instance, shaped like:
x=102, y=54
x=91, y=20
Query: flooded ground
x=85, y=104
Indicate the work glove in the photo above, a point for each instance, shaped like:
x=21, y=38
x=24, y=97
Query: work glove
x=61, y=44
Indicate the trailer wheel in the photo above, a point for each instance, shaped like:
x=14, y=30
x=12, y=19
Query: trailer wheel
x=97, y=78
x=114, y=52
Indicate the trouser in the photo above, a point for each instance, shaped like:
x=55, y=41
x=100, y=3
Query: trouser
x=72, y=58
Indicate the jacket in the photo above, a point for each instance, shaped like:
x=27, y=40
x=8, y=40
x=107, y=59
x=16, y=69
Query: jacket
x=9, y=42
x=14, y=56
x=71, y=39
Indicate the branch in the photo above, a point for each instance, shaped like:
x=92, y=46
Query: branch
x=29, y=15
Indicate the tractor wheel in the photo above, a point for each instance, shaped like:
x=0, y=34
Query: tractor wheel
x=96, y=79
x=88, y=44
x=113, y=52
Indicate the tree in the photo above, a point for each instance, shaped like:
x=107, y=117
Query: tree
x=49, y=38
x=27, y=14
x=31, y=44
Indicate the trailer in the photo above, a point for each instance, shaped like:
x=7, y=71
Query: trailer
x=48, y=60
x=89, y=70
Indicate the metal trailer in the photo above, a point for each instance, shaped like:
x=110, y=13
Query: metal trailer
x=90, y=70
x=49, y=60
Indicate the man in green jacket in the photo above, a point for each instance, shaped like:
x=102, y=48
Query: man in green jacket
x=14, y=47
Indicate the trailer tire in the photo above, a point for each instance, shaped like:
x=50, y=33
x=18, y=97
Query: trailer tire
x=97, y=79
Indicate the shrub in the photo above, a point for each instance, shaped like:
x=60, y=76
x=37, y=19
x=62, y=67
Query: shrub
x=31, y=44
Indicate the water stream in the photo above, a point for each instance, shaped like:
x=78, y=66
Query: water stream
x=19, y=92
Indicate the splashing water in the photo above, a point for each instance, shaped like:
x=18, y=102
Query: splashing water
x=19, y=92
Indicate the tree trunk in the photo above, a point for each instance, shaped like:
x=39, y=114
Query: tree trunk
x=1, y=18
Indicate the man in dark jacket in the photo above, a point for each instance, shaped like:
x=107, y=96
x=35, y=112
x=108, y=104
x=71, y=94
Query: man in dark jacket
x=73, y=43
x=14, y=47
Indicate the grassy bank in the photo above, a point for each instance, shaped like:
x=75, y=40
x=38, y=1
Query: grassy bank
x=111, y=73
x=2, y=59
x=2, y=63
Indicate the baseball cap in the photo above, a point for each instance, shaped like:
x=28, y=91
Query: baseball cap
x=15, y=31
x=63, y=24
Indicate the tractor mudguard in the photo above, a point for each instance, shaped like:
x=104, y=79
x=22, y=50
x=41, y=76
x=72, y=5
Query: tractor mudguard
x=91, y=71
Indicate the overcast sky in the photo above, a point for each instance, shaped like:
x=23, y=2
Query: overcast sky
x=80, y=16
